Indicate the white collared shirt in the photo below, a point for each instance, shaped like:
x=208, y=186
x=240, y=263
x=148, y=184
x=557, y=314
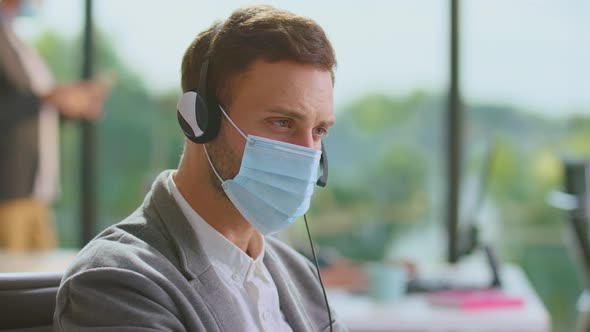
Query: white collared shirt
x=247, y=279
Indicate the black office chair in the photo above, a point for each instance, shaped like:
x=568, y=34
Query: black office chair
x=27, y=301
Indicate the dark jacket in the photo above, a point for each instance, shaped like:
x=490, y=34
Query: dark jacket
x=19, y=135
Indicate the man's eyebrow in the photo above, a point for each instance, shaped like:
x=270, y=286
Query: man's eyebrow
x=327, y=123
x=287, y=112
x=296, y=115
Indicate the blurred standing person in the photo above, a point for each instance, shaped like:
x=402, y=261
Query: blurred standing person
x=29, y=105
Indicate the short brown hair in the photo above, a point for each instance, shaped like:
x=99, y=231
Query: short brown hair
x=253, y=33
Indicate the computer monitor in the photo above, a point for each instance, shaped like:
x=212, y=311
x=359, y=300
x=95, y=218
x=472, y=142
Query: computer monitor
x=468, y=229
x=577, y=184
x=468, y=235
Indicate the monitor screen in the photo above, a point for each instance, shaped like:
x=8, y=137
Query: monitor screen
x=576, y=182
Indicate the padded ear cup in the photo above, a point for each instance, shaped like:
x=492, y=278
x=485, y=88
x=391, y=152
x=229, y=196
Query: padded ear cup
x=201, y=113
x=213, y=118
x=186, y=115
x=200, y=120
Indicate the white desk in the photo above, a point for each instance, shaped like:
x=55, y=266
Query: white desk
x=414, y=313
x=55, y=260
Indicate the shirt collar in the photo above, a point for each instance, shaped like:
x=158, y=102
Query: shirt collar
x=224, y=255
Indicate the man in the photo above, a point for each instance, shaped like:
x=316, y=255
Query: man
x=29, y=106
x=195, y=256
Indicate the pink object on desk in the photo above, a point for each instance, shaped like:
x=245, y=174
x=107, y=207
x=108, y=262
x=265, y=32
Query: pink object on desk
x=475, y=299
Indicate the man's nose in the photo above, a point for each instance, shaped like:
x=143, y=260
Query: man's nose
x=306, y=139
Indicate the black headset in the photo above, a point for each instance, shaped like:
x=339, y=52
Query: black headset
x=199, y=113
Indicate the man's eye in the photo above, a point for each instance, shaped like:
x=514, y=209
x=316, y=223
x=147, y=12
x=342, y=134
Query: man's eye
x=284, y=123
x=322, y=132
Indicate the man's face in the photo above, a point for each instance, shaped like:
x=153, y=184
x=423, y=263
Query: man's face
x=284, y=101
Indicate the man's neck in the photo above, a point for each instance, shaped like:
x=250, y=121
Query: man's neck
x=216, y=209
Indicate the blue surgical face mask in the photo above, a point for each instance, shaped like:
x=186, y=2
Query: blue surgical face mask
x=274, y=184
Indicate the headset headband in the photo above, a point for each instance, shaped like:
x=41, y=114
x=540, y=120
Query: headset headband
x=203, y=78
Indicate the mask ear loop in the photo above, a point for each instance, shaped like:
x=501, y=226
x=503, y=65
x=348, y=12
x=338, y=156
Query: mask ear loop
x=205, y=146
x=211, y=164
x=232, y=123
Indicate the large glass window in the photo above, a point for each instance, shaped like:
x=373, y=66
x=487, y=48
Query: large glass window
x=384, y=151
x=526, y=79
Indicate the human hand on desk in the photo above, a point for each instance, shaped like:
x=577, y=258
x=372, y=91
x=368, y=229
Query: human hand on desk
x=354, y=276
x=345, y=274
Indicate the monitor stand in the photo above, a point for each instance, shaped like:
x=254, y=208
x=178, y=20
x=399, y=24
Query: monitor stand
x=427, y=285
